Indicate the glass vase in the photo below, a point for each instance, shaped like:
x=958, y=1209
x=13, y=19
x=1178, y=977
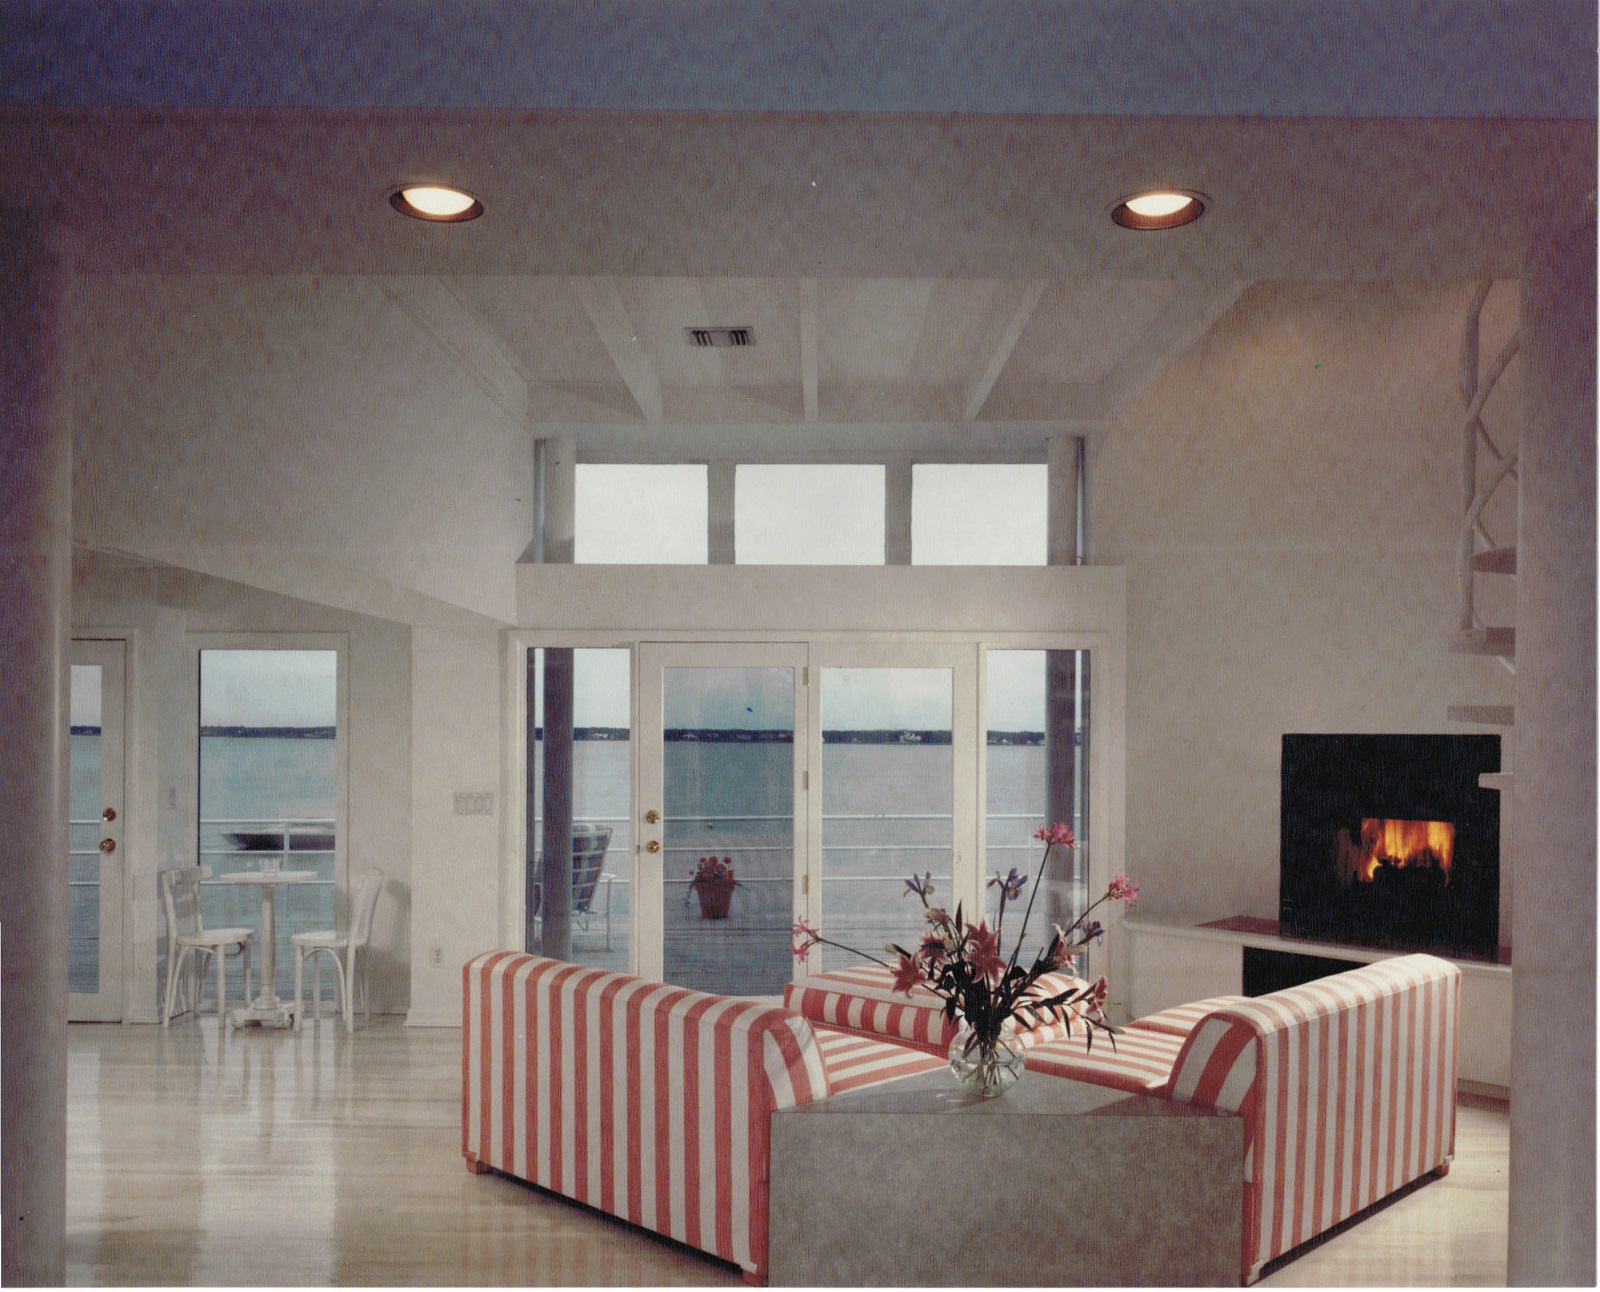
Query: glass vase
x=984, y=1069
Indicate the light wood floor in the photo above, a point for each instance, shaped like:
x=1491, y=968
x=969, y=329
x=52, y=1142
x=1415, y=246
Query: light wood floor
x=200, y=1156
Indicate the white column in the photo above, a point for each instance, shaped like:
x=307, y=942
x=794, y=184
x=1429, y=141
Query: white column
x=897, y=513
x=1552, y=1177
x=719, y=513
x=1062, y=500
x=560, y=496
x=35, y=617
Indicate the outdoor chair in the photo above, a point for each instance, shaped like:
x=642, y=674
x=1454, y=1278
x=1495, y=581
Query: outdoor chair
x=589, y=843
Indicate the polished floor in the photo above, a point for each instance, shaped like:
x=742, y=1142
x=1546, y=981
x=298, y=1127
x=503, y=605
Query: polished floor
x=200, y=1156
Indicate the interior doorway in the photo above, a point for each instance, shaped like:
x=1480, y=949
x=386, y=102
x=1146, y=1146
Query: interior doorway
x=98, y=827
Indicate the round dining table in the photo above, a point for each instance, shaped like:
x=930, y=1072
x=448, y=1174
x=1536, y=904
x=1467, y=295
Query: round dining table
x=266, y=1009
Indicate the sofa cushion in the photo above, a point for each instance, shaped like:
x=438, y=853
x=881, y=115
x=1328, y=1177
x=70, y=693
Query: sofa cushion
x=1180, y=1019
x=852, y=1059
x=861, y=999
x=1140, y=1062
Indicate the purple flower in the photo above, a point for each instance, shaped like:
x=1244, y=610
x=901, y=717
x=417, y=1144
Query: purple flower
x=1094, y=930
x=1011, y=885
x=1059, y=834
x=923, y=887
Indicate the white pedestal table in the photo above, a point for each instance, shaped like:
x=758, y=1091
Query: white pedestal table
x=266, y=1008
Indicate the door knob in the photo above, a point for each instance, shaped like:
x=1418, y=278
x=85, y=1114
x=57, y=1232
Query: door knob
x=651, y=817
x=108, y=814
x=653, y=846
x=108, y=845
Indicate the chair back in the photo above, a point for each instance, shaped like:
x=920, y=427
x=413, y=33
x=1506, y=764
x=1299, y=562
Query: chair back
x=589, y=844
x=363, y=905
x=180, y=898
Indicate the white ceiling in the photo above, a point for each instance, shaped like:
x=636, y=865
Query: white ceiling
x=255, y=323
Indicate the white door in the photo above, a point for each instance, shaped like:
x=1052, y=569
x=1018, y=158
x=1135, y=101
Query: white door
x=722, y=797
x=98, y=824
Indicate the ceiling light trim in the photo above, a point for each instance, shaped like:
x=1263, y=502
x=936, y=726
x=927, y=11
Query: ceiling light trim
x=402, y=200
x=1125, y=217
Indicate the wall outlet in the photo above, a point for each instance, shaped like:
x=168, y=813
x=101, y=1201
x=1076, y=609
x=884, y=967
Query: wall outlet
x=471, y=804
x=436, y=957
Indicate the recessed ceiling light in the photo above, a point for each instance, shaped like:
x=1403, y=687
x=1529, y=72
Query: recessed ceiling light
x=1159, y=209
x=435, y=202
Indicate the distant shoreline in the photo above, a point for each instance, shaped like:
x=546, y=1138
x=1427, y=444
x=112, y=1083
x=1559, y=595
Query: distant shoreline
x=738, y=736
x=276, y=733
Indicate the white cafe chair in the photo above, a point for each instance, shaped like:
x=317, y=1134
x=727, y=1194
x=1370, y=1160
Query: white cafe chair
x=186, y=932
x=343, y=949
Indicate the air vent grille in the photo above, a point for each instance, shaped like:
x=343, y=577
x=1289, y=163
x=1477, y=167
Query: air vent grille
x=720, y=338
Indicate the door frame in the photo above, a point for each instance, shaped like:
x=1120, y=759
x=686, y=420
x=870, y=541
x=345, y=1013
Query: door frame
x=1073, y=608
x=651, y=659
x=107, y=1005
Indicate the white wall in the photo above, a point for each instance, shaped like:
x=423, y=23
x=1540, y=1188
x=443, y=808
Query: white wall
x=1285, y=501
x=456, y=746
x=158, y=610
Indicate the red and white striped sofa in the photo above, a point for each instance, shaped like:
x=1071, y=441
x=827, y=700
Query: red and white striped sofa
x=644, y=1100
x=1346, y=1085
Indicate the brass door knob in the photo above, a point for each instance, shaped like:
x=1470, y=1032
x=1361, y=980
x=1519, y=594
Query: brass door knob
x=108, y=814
x=651, y=817
x=653, y=846
x=108, y=845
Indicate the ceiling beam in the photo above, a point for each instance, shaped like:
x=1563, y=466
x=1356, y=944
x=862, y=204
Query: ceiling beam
x=462, y=334
x=808, y=345
x=602, y=302
x=977, y=392
x=1195, y=309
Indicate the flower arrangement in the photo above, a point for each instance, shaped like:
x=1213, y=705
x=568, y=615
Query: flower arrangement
x=713, y=883
x=964, y=965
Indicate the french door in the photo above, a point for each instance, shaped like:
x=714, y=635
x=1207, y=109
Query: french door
x=721, y=813
x=94, y=870
x=816, y=779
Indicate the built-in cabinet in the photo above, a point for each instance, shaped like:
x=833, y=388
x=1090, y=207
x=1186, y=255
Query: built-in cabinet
x=1171, y=962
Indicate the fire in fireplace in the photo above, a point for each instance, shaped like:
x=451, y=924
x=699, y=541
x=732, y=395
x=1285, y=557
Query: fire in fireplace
x=1419, y=845
x=1390, y=841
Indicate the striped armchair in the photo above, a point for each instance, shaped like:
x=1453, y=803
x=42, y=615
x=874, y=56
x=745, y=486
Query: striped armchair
x=644, y=1100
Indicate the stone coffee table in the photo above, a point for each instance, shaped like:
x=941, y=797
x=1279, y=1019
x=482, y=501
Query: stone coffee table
x=1053, y=1183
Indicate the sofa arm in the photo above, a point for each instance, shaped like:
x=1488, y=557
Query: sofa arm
x=1346, y=1085
x=646, y=1100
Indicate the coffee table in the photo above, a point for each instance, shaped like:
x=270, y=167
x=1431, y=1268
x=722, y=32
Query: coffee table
x=1052, y=1183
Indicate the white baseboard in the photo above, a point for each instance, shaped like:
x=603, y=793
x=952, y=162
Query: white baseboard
x=434, y=1018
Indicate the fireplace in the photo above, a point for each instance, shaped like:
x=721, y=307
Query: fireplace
x=1389, y=841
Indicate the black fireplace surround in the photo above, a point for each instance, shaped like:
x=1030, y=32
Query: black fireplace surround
x=1335, y=787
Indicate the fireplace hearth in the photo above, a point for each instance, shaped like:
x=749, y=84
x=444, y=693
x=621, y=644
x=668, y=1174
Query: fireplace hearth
x=1389, y=841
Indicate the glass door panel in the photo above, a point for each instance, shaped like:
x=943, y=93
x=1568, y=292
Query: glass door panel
x=1036, y=756
x=96, y=833
x=888, y=805
x=718, y=763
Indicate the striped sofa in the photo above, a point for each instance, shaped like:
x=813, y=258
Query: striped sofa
x=862, y=999
x=647, y=1101
x=1346, y=1085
